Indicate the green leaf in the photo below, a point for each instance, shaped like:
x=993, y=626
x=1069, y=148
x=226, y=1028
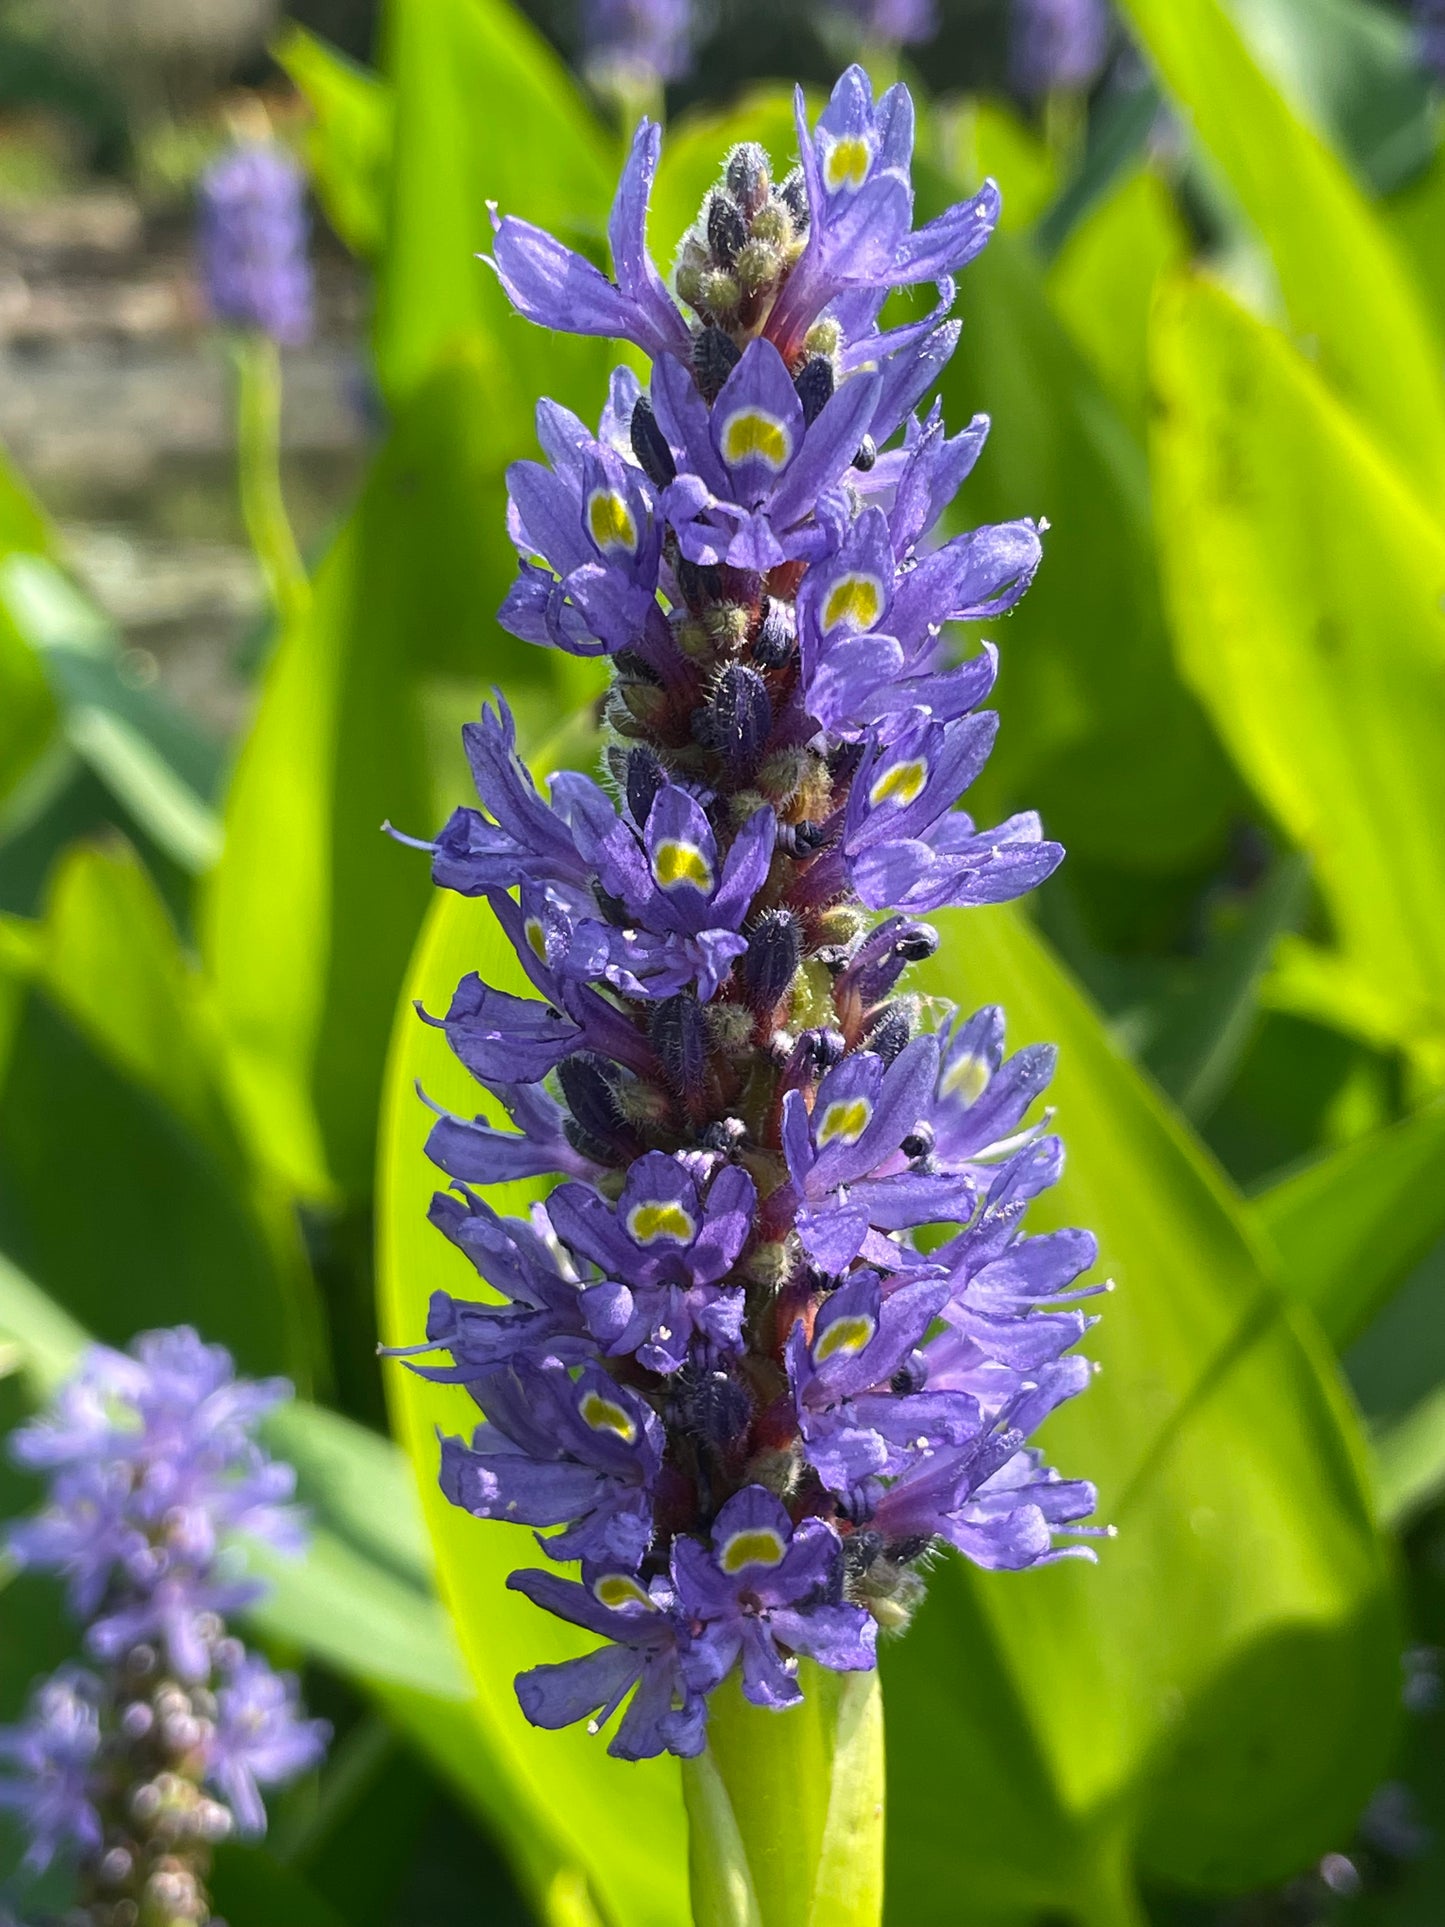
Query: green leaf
x=1375, y=347
x=112, y=1071
x=154, y=761
x=1199, y=1034
x=785, y=1811
x=1212, y=1702
x=252, y=1886
x=485, y=111
x=1097, y=731
x=1410, y=1461
x=622, y=1823
x=1305, y=583
x=1416, y=220
x=1351, y=1226
x=349, y=140
x=1102, y=284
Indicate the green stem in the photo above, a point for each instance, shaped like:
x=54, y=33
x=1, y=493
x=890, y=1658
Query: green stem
x=785, y=1810
x=258, y=446
x=1065, y=124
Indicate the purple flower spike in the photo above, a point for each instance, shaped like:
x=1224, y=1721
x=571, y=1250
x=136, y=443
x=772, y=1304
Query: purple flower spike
x=253, y=235
x=1058, y=46
x=717, y=1371
x=131, y=1773
x=1430, y=36
x=633, y=43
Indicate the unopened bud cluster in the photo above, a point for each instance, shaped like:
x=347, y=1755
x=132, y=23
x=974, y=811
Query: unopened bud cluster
x=718, y=1376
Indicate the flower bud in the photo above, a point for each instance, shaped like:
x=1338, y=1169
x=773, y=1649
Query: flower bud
x=645, y=777
x=679, y=1036
x=746, y=175
x=777, y=636
x=794, y=196
x=727, y=231
x=714, y=356
x=774, y=952
x=649, y=445
x=814, y=382
x=737, y=718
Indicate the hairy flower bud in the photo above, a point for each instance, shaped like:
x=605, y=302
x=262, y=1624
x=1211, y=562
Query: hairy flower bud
x=736, y=719
x=649, y=444
x=774, y=952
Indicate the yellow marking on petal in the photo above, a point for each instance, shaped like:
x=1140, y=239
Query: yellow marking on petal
x=967, y=1078
x=857, y=601
x=676, y=862
x=617, y=1589
x=536, y=936
x=848, y=163
x=666, y=1219
x=752, y=432
x=845, y=1335
x=611, y=522
x=605, y=1416
x=844, y=1121
x=760, y=1546
x=900, y=783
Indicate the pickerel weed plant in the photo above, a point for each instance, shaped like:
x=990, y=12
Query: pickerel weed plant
x=721, y=1376
x=131, y=1768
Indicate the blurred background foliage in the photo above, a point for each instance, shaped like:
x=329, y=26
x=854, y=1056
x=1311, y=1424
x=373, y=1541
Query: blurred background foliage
x=1211, y=335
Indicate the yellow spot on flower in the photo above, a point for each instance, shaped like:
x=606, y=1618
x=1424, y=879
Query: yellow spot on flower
x=676, y=862
x=856, y=602
x=611, y=522
x=605, y=1416
x=617, y=1589
x=759, y=1547
x=665, y=1219
x=844, y=1121
x=751, y=433
x=848, y=163
x=966, y=1078
x=537, y=937
x=899, y=784
x=847, y=1336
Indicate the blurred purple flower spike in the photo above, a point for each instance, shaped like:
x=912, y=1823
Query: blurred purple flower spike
x=253, y=239
x=134, y=1770
x=1058, y=46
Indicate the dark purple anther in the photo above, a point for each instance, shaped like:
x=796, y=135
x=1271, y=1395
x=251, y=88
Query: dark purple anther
x=777, y=636
x=814, y=382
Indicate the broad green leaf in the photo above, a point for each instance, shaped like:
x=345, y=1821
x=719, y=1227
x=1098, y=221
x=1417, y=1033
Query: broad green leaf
x=112, y=1080
x=1213, y=1701
x=28, y=711
x=485, y=111
x=1350, y=66
x=349, y=141
x=1374, y=344
x=785, y=1811
x=1097, y=731
x=1305, y=582
x=622, y=1823
x=1102, y=284
x=1349, y=1227
x=1416, y=220
x=308, y=920
x=253, y=1886
x=987, y=139
x=1410, y=1461
x=154, y=761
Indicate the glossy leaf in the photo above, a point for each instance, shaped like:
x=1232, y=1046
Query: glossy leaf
x=1375, y=348
x=622, y=1823
x=1213, y=1701
x=785, y=1811
x=485, y=111
x=1305, y=585
x=111, y=1085
x=349, y=141
x=1410, y=1461
x=1349, y=1227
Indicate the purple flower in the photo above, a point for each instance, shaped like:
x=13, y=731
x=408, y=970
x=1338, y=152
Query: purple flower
x=253, y=235
x=719, y=1372
x=765, y=1590
x=261, y=1739
x=893, y=23
x=633, y=42
x=49, y=1763
x=650, y=1649
x=1058, y=46
x=153, y=1468
x=1430, y=36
